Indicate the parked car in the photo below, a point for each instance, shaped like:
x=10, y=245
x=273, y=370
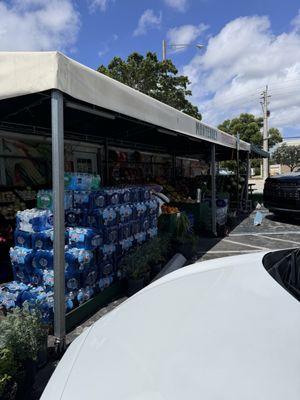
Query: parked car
x=282, y=194
x=225, y=171
x=220, y=329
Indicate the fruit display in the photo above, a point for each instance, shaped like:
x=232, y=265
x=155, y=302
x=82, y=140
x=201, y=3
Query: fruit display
x=7, y=197
x=9, y=211
x=180, y=192
x=10, y=203
x=184, y=190
x=27, y=194
x=166, y=209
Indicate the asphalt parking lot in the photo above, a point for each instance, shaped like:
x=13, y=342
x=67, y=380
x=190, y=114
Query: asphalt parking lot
x=272, y=234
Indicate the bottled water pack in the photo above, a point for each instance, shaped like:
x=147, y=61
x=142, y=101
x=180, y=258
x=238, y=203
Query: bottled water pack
x=124, y=213
x=111, y=234
x=109, y=216
x=85, y=238
x=79, y=259
x=22, y=239
x=43, y=259
x=125, y=245
x=107, y=252
x=44, y=240
x=98, y=199
x=75, y=217
x=89, y=276
x=82, y=199
x=105, y=282
x=21, y=256
x=45, y=199
x=152, y=232
x=82, y=181
x=34, y=220
x=139, y=210
x=112, y=196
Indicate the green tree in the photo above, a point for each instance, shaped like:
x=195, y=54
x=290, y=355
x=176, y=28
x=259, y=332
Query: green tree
x=158, y=79
x=249, y=127
x=287, y=155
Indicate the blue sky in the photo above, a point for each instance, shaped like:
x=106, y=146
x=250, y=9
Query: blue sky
x=121, y=16
x=248, y=44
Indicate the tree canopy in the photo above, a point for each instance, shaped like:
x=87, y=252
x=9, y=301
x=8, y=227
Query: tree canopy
x=287, y=155
x=158, y=79
x=249, y=127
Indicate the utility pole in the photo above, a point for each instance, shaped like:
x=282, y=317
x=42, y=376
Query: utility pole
x=266, y=113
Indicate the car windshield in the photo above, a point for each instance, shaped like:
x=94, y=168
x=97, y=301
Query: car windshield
x=284, y=267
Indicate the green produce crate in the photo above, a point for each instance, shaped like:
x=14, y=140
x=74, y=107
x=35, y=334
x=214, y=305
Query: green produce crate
x=87, y=309
x=192, y=208
x=167, y=223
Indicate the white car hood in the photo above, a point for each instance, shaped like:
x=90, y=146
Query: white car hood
x=216, y=330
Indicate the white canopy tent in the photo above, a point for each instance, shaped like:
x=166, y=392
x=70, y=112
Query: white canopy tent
x=23, y=74
x=33, y=72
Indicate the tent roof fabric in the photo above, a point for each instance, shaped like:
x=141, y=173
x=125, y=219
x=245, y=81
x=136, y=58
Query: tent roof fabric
x=23, y=73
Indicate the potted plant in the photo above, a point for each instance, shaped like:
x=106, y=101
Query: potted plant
x=133, y=272
x=142, y=255
x=155, y=255
x=22, y=333
x=8, y=371
x=187, y=245
x=183, y=226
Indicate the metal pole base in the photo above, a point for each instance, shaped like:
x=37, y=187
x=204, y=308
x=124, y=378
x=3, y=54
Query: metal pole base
x=59, y=346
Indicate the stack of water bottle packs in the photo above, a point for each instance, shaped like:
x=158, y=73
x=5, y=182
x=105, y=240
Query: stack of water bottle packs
x=102, y=225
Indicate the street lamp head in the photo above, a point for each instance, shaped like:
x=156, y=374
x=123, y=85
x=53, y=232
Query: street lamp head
x=199, y=46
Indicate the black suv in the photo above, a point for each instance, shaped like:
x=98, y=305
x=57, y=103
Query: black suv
x=282, y=194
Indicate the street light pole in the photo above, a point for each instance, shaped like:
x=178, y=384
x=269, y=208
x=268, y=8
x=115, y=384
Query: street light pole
x=176, y=46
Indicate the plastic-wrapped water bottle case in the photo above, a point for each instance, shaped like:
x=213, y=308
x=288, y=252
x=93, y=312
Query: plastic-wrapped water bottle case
x=102, y=224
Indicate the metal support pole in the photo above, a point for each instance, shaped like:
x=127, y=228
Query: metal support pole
x=57, y=117
x=213, y=190
x=2, y=164
x=173, y=167
x=237, y=172
x=247, y=179
x=106, y=161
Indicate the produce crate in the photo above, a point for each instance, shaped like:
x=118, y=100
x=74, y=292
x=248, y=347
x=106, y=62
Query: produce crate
x=167, y=223
x=206, y=217
x=195, y=210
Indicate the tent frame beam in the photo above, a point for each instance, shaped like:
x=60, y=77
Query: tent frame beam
x=213, y=190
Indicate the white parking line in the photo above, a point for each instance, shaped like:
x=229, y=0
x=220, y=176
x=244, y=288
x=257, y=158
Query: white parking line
x=266, y=233
x=245, y=244
x=280, y=240
x=226, y=251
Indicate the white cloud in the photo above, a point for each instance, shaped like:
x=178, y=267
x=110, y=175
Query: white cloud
x=179, y=5
x=238, y=62
x=185, y=34
x=106, y=45
x=98, y=4
x=38, y=25
x=148, y=20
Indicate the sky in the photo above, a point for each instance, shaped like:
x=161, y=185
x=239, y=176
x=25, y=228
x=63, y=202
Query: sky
x=247, y=45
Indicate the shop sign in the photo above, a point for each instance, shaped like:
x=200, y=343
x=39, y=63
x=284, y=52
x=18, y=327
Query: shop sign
x=206, y=131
